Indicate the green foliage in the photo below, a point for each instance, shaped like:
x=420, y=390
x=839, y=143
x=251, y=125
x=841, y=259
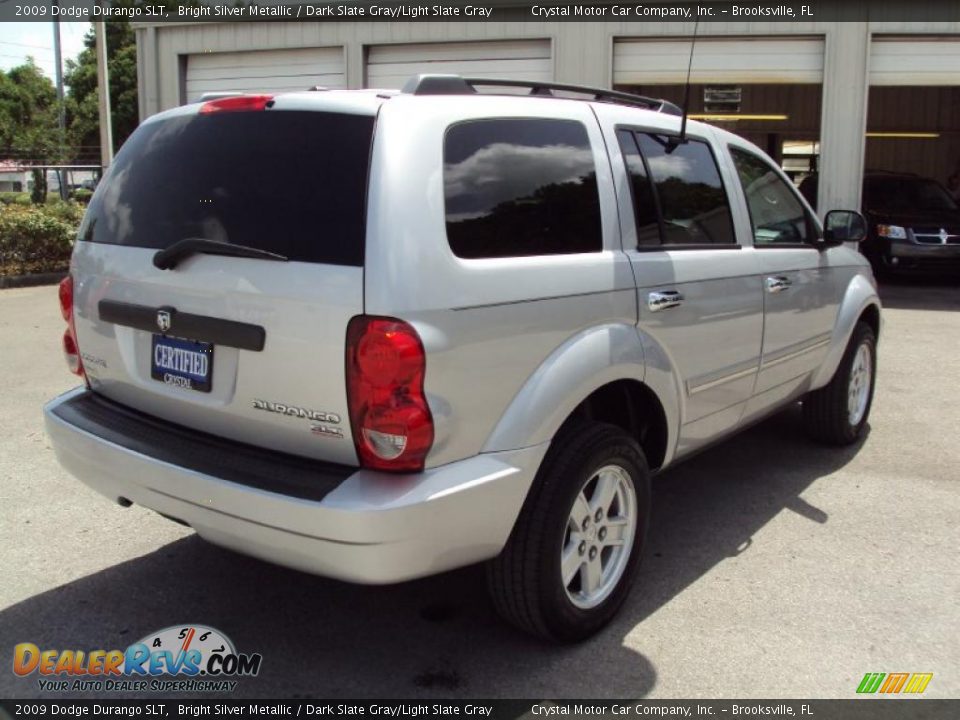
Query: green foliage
x=36, y=239
x=29, y=127
x=15, y=198
x=81, y=195
x=83, y=118
x=69, y=211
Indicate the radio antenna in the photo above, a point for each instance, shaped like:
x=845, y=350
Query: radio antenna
x=686, y=89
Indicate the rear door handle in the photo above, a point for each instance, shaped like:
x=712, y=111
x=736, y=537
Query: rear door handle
x=778, y=283
x=663, y=300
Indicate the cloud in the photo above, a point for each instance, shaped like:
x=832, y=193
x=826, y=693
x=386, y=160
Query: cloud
x=502, y=171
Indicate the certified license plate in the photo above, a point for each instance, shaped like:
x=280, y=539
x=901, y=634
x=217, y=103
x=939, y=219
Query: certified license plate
x=184, y=363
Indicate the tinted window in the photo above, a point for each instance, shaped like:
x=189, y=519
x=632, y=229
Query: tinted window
x=776, y=214
x=292, y=183
x=692, y=200
x=644, y=204
x=517, y=187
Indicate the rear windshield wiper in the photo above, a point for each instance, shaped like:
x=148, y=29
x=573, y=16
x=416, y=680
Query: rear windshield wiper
x=170, y=257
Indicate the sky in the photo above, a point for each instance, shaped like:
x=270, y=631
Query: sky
x=20, y=39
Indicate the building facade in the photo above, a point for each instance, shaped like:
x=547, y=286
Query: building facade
x=831, y=98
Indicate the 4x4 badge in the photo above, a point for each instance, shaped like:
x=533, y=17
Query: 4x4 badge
x=163, y=320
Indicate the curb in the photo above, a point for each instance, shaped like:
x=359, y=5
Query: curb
x=22, y=281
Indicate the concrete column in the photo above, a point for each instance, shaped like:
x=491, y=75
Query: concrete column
x=843, y=122
x=355, y=59
x=582, y=54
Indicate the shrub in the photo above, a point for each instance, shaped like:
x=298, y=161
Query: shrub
x=35, y=239
x=69, y=211
x=15, y=198
x=81, y=195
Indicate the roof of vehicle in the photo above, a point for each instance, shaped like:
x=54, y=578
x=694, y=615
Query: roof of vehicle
x=368, y=101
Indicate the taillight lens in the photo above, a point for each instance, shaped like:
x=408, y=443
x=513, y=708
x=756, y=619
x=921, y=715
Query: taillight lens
x=71, y=350
x=391, y=421
x=237, y=103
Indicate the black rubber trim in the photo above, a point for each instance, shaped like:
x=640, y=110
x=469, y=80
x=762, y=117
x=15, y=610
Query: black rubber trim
x=201, y=452
x=185, y=325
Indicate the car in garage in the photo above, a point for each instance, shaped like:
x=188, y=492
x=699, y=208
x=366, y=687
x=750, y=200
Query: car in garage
x=913, y=223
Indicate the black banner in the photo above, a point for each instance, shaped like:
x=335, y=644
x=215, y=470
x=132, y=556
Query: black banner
x=161, y=11
x=854, y=709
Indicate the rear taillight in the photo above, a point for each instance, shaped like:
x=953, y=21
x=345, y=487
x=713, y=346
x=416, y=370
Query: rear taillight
x=71, y=350
x=237, y=103
x=389, y=415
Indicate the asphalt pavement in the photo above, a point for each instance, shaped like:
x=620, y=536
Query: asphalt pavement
x=775, y=567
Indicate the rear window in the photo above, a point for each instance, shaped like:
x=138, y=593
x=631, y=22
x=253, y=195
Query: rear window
x=519, y=187
x=292, y=183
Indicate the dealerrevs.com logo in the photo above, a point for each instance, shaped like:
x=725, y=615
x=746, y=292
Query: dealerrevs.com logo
x=180, y=658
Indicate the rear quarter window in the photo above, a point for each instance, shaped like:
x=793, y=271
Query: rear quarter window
x=289, y=182
x=516, y=187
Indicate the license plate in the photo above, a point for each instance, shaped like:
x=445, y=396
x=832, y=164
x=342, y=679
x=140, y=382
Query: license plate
x=184, y=363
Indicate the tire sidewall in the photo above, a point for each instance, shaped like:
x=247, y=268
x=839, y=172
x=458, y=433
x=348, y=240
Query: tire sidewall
x=862, y=335
x=569, y=621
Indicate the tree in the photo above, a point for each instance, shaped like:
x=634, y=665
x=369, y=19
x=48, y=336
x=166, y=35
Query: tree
x=83, y=114
x=29, y=127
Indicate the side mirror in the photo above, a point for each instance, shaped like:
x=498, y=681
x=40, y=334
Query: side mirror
x=842, y=226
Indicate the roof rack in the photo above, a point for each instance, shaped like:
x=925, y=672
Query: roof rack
x=457, y=85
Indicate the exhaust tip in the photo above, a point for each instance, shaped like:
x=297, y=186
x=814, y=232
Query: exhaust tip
x=124, y=502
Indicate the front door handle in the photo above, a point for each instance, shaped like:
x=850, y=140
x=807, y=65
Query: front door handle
x=778, y=283
x=664, y=299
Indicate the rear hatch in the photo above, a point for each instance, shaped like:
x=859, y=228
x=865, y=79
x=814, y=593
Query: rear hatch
x=248, y=348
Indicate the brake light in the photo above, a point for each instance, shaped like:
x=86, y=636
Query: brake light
x=71, y=350
x=391, y=421
x=237, y=103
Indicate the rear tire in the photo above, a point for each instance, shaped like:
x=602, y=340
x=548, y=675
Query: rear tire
x=837, y=413
x=575, y=549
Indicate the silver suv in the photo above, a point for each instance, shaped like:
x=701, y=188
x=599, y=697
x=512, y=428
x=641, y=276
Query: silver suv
x=380, y=335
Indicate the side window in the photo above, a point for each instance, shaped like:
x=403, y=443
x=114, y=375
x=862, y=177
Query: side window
x=777, y=216
x=518, y=187
x=644, y=203
x=692, y=199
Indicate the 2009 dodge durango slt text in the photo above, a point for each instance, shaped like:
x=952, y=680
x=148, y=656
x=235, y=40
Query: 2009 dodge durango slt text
x=465, y=326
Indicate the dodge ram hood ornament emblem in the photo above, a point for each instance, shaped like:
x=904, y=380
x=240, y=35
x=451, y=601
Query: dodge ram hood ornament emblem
x=163, y=320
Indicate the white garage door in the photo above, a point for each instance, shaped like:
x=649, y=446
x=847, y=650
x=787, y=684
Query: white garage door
x=264, y=71
x=900, y=61
x=390, y=66
x=742, y=60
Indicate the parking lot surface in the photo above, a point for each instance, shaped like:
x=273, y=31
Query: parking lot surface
x=775, y=567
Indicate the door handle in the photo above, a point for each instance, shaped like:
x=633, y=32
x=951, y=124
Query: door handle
x=778, y=283
x=663, y=300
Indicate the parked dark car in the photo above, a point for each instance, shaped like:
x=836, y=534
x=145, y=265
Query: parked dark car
x=914, y=223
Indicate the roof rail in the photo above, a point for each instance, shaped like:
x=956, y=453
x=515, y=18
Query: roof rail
x=457, y=85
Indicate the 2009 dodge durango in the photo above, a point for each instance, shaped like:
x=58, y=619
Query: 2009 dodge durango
x=379, y=335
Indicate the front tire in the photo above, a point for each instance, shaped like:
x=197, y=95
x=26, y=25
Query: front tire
x=837, y=413
x=575, y=549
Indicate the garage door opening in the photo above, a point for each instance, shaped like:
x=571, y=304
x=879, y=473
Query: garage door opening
x=765, y=89
x=784, y=120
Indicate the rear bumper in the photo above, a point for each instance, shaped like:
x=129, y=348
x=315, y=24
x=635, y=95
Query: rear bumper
x=369, y=527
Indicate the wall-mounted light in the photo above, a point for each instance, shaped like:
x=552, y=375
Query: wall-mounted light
x=908, y=135
x=730, y=117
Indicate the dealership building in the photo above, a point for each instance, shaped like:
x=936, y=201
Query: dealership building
x=834, y=98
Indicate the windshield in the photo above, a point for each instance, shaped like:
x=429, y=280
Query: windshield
x=289, y=182
x=906, y=195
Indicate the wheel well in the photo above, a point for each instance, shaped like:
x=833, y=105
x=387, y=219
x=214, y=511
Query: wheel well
x=871, y=316
x=632, y=406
